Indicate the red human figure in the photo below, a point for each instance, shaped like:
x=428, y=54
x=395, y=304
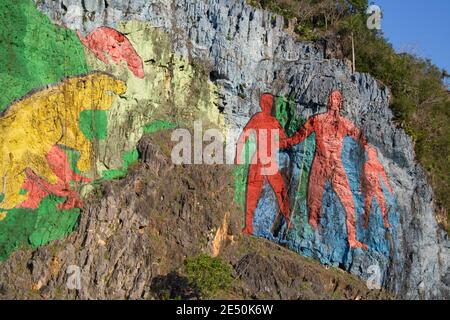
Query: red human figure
x=38, y=188
x=107, y=40
x=266, y=130
x=371, y=185
x=330, y=129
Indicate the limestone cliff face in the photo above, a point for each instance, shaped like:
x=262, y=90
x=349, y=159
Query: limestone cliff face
x=244, y=52
x=250, y=52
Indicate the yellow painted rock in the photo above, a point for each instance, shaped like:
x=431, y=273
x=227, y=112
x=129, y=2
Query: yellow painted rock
x=31, y=126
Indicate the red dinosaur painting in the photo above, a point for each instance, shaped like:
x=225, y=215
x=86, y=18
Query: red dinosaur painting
x=330, y=129
x=107, y=40
x=371, y=185
x=39, y=188
x=265, y=128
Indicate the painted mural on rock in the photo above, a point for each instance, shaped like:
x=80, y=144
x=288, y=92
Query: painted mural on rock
x=168, y=38
x=174, y=90
x=76, y=110
x=105, y=41
x=261, y=129
x=31, y=127
x=340, y=204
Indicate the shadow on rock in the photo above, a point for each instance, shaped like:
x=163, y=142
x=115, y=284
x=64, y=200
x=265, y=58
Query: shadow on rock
x=173, y=286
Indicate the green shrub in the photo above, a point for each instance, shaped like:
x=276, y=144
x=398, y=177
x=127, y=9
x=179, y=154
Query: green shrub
x=209, y=275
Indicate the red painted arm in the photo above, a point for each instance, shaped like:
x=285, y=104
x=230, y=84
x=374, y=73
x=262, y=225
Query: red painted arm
x=355, y=133
x=385, y=178
x=304, y=132
x=248, y=129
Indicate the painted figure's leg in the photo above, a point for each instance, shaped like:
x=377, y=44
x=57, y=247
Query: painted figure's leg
x=316, y=188
x=382, y=204
x=254, y=188
x=279, y=187
x=342, y=189
x=368, y=198
x=35, y=193
x=84, y=146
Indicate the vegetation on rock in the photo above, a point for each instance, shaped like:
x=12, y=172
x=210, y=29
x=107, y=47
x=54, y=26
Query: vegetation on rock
x=209, y=274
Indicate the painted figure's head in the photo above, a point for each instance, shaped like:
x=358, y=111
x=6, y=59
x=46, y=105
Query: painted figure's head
x=335, y=101
x=266, y=103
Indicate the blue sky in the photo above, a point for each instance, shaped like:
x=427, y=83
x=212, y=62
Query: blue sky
x=418, y=26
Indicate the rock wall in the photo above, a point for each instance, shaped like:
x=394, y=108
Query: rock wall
x=211, y=60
